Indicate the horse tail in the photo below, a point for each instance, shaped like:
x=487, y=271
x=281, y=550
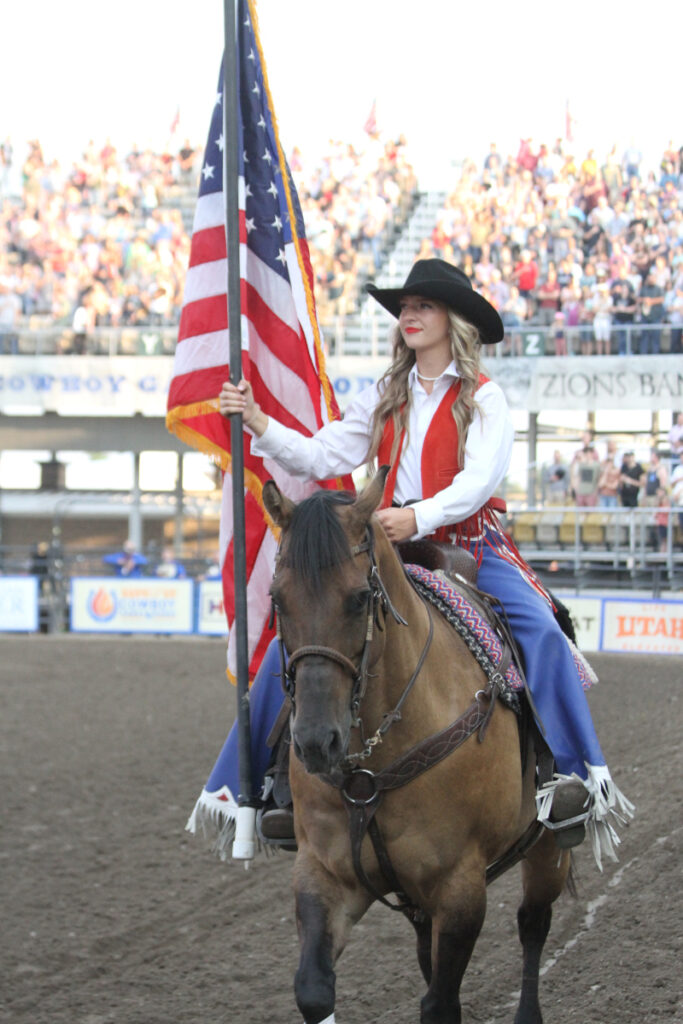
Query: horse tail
x=563, y=618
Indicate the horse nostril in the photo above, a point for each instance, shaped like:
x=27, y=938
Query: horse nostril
x=334, y=747
x=319, y=753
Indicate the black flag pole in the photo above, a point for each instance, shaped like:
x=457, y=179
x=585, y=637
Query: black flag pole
x=244, y=842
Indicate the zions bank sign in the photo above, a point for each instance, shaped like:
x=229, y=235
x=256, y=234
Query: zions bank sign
x=124, y=385
x=601, y=382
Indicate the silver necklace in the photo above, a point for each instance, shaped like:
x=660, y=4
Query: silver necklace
x=431, y=379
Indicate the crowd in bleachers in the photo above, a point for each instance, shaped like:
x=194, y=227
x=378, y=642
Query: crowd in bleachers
x=94, y=243
x=590, y=250
x=103, y=242
x=620, y=479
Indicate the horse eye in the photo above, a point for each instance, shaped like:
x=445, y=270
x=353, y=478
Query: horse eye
x=357, y=601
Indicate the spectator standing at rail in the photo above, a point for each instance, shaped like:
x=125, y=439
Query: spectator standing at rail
x=656, y=476
x=608, y=483
x=513, y=314
x=675, y=439
x=525, y=276
x=624, y=307
x=169, y=568
x=677, y=491
x=601, y=306
x=662, y=515
x=10, y=313
x=128, y=562
x=631, y=476
x=585, y=473
x=548, y=296
x=650, y=305
x=555, y=480
x=83, y=324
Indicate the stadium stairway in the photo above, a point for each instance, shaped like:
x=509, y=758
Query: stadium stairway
x=401, y=257
x=183, y=198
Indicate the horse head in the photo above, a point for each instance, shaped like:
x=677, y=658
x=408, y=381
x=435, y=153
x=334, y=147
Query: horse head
x=325, y=594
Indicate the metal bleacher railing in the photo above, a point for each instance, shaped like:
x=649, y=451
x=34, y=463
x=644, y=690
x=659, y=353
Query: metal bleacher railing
x=622, y=545
x=365, y=334
x=589, y=549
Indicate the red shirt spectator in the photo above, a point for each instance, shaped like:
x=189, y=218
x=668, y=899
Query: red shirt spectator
x=526, y=273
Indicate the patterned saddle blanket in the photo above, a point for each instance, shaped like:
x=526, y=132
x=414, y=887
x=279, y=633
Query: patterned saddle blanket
x=436, y=588
x=478, y=634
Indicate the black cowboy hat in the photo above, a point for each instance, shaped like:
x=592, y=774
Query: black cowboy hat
x=436, y=279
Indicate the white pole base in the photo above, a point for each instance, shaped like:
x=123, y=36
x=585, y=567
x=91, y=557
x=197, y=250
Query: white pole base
x=244, y=843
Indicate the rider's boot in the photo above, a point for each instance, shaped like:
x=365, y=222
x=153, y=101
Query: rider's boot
x=275, y=821
x=568, y=813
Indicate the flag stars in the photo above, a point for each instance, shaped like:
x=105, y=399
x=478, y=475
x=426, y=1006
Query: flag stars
x=273, y=189
x=207, y=171
x=252, y=55
x=268, y=157
x=281, y=257
x=220, y=142
x=247, y=190
x=250, y=224
x=219, y=98
x=261, y=122
x=277, y=223
x=256, y=89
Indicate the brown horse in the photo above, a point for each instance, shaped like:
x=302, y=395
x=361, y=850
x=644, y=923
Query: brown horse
x=372, y=673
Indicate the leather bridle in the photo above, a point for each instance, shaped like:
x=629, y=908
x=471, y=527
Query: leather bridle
x=378, y=601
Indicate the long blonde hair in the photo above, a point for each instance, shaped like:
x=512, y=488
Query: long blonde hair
x=395, y=396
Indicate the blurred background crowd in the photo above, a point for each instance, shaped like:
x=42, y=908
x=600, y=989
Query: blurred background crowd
x=105, y=243
x=588, y=248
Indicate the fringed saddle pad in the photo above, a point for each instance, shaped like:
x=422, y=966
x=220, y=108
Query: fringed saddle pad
x=481, y=639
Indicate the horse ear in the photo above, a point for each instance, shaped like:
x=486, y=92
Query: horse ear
x=370, y=497
x=278, y=507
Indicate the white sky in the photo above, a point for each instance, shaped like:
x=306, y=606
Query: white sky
x=451, y=76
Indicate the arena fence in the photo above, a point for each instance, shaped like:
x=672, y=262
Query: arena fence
x=585, y=551
x=367, y=334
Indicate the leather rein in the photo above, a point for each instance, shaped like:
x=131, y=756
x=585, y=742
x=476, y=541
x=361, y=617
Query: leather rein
x=363, y=789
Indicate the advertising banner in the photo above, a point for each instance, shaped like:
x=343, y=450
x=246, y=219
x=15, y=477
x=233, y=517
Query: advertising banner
x=18, y=604
x=125, y=385
x=211, y=620
x=649, y=627
x=586, y=613
x=110, y=605
x=84, y=385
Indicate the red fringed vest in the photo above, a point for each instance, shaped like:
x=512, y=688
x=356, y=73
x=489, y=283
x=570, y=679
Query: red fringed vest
x=439, y=466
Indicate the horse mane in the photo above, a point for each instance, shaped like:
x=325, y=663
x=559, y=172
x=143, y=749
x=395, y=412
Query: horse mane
x=315, y=538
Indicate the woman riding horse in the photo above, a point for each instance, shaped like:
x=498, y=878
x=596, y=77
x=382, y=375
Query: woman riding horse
x=444, y=428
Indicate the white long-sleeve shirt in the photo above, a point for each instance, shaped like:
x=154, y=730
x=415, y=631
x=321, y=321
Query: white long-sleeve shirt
x=342, y=446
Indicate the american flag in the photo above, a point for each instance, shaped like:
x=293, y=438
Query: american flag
x=282, y=354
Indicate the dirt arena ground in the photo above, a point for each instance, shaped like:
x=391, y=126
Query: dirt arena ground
x=112, y=914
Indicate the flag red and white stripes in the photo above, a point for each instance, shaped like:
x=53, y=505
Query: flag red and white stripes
x=282, y=354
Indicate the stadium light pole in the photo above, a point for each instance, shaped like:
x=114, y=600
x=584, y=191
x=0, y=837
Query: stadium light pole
x=244, y=842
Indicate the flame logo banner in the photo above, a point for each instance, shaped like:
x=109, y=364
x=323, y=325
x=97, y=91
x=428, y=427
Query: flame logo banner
x=102, y=604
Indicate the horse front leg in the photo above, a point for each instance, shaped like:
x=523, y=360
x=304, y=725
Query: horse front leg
x=455, y=930
x=544, y=874
x=423, y=932
x=325, y=913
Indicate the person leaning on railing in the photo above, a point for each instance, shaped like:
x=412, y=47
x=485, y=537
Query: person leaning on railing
x=631, y=476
